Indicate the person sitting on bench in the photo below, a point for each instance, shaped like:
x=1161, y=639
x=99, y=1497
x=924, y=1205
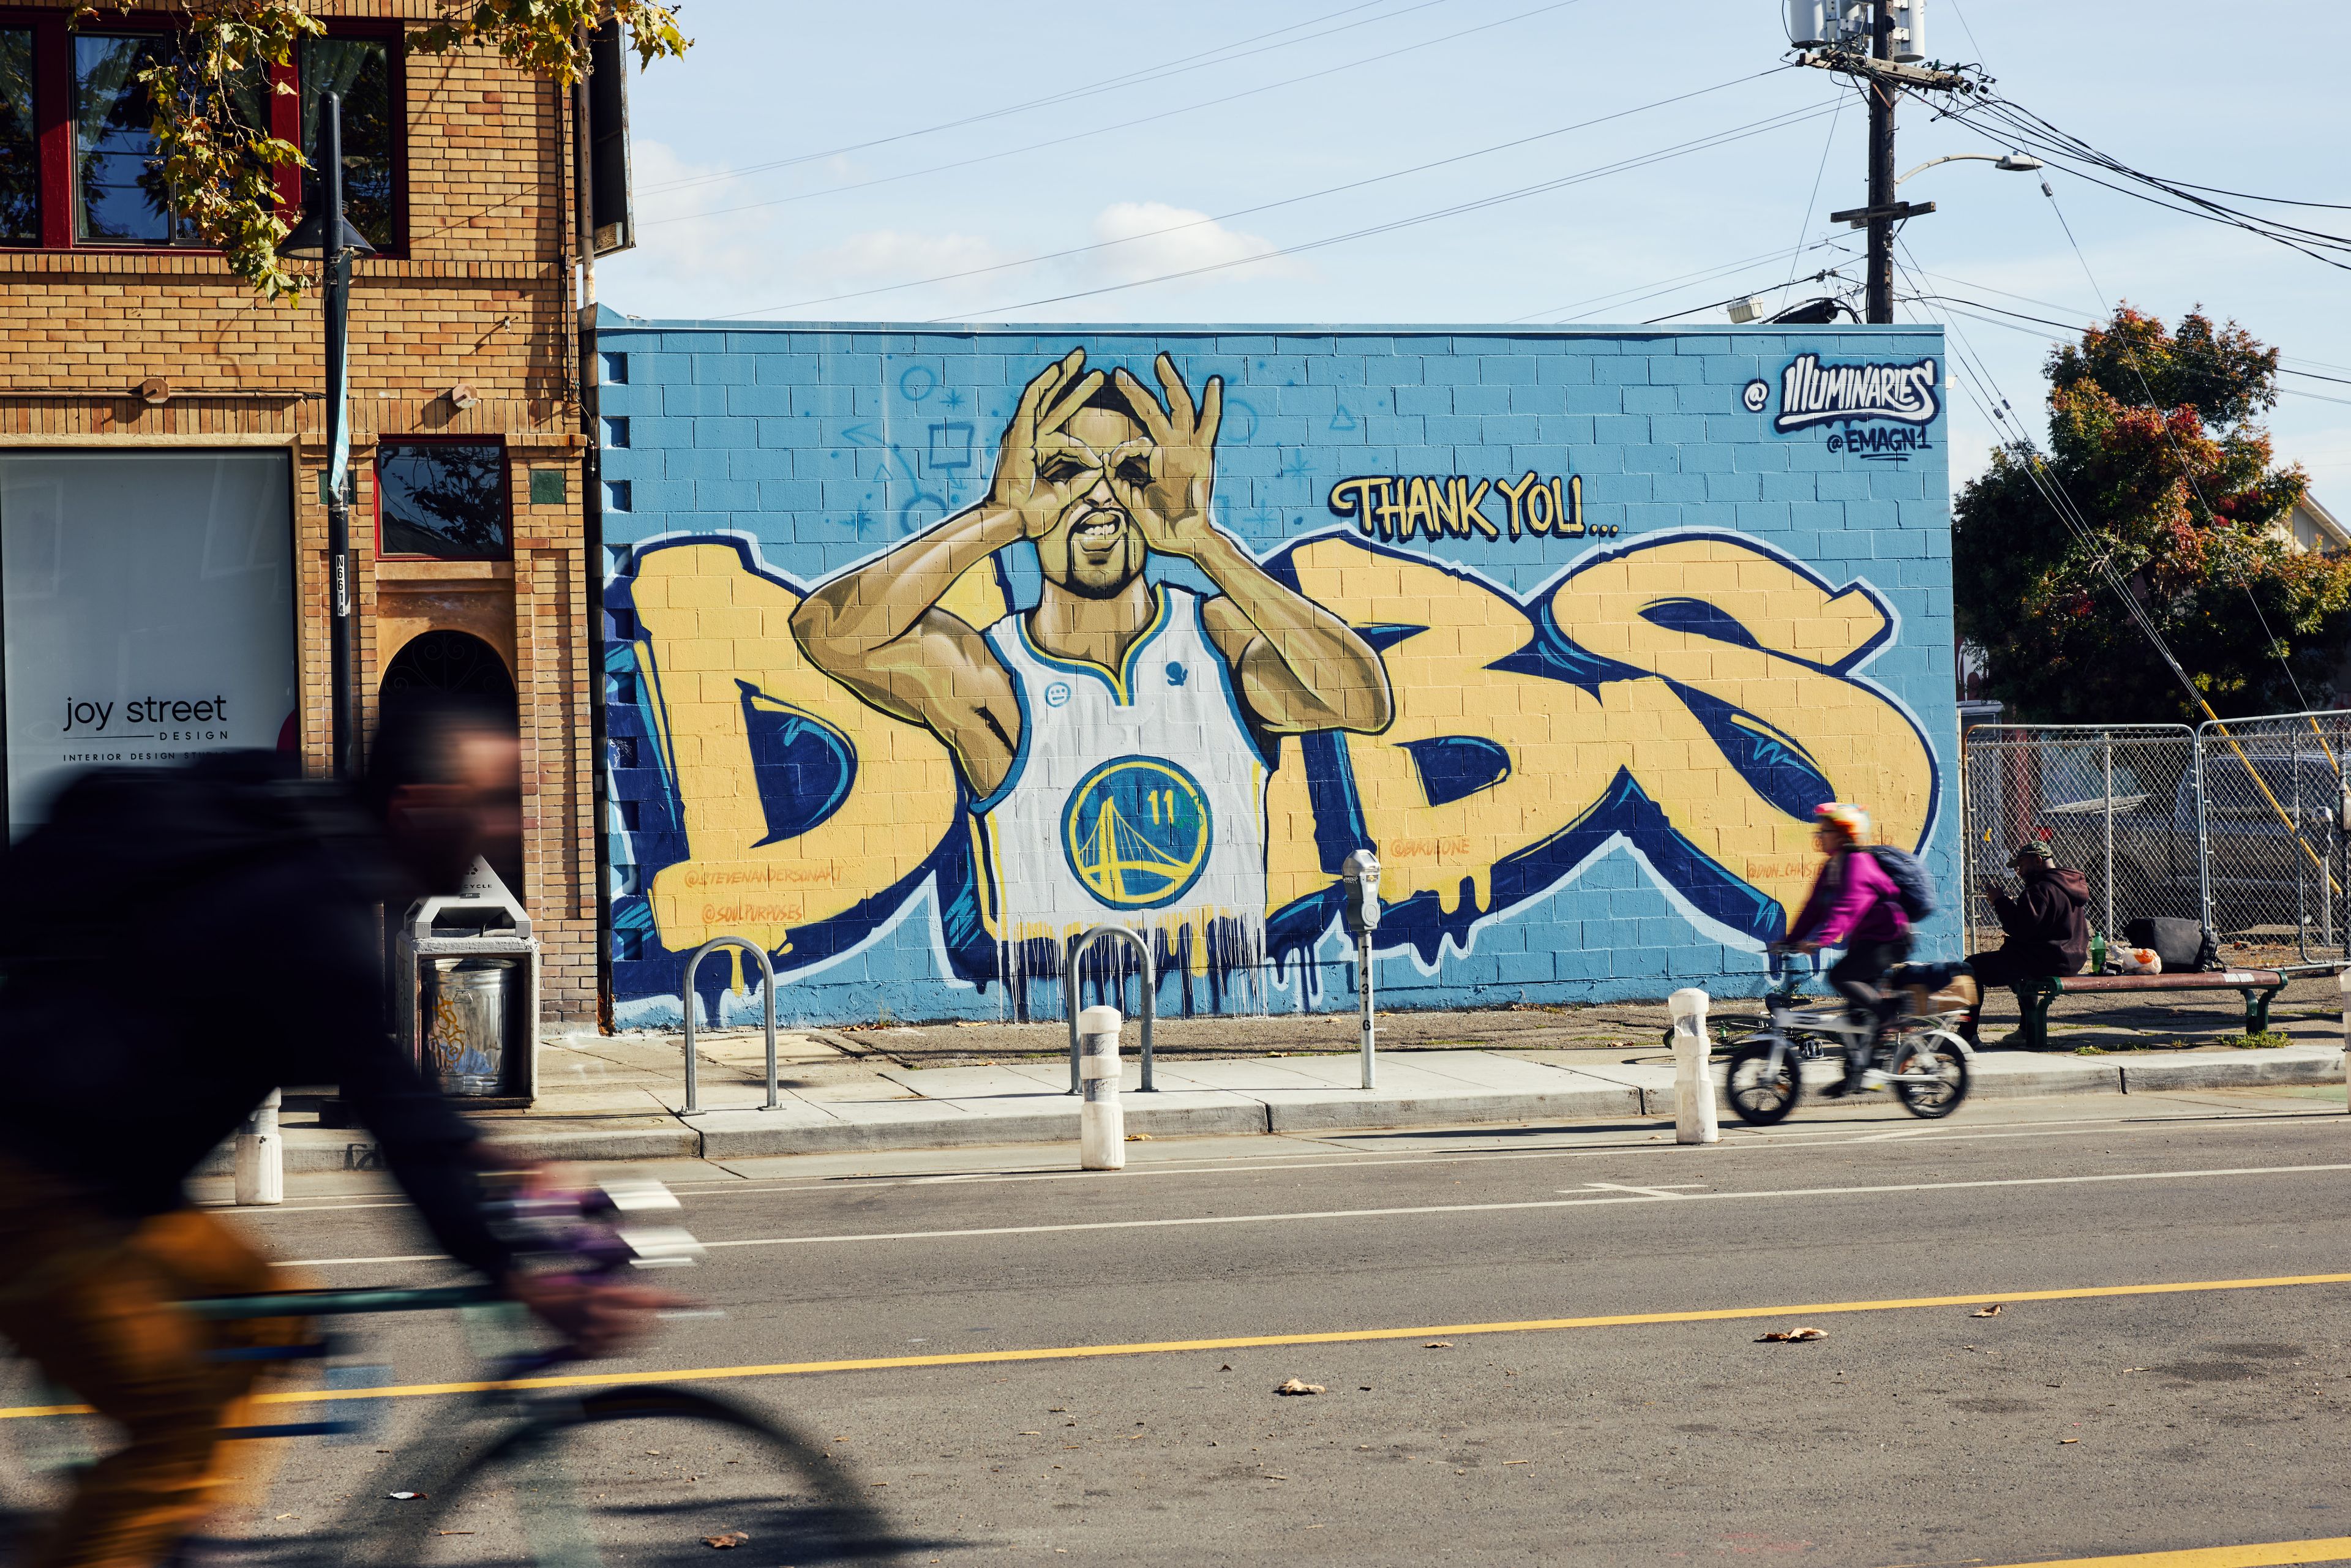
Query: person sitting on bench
x=2047, y=924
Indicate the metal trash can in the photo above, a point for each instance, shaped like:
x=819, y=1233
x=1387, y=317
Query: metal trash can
x=466, y=1012
x=465, y=992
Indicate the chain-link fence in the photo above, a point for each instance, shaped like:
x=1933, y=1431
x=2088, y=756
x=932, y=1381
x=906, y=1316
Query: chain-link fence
x=2119, y=803
x=2273, y=852
x=2236, y=824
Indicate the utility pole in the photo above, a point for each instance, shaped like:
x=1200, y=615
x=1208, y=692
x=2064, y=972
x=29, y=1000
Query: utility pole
x=1877, y=44
x=1881, y=168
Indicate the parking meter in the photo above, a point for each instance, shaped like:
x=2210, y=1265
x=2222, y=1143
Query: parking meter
x=1359, y=881
x=1359, y=877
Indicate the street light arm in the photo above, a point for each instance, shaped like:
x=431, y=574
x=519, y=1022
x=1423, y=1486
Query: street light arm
x=1954, y=158
x=2015, y=163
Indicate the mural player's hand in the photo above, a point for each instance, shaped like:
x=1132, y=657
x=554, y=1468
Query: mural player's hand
x=1046, y=403
x=1172, y=506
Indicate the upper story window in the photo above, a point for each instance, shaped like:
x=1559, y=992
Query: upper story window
x=360, y=71
x=443, y=500
x=20, y=150
x=79, y=165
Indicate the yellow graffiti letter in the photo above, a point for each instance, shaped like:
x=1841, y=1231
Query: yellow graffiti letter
x=1515, y=495
x=1352, y=498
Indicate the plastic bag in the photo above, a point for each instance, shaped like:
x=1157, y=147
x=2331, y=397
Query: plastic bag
x=2133, y=961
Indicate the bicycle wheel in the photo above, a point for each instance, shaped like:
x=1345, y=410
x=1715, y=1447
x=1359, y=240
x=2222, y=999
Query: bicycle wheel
x=1759, y=1094
x=639, y=1476
x=1929, y=1074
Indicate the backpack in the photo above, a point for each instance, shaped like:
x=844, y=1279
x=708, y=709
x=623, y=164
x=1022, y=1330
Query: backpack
x=1914, y=890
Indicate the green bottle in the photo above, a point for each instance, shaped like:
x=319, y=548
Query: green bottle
x=2097, y=953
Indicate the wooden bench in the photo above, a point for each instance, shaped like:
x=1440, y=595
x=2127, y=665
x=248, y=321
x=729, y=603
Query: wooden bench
x=2033, y=996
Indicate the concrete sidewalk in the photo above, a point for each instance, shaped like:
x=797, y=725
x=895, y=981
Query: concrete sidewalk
x=622, y=1097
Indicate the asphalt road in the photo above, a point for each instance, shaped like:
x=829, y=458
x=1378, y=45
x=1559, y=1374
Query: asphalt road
x=1471, y=1411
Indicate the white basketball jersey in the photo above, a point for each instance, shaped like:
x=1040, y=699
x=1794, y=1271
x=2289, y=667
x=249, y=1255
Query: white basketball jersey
x=1135, y=799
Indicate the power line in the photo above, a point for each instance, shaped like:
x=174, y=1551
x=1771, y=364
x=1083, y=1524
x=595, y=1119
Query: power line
x=1813, y=202
x=1249, y=211
x=1576, y=309
x=1999, y=413
x=1132, y=78
x=1821, y=277
x=1700, y=144
x=2178, y=456
x=2019, y=127
x=1099, y=129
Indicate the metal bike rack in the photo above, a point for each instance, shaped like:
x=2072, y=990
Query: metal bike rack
x=1076, y=950
x=768, y=996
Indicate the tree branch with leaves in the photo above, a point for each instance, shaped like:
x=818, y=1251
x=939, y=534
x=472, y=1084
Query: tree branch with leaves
x=218, y=170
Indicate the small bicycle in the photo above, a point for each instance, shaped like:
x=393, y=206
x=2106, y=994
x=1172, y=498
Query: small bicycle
x=540, y=1470
x=1918, y=1056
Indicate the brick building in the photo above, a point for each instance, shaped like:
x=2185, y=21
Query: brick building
x=162, y=536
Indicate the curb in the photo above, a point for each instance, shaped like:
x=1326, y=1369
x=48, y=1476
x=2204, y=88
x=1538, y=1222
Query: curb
x=749, y=1134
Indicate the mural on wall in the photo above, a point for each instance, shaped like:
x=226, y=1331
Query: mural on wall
x=1082, y=698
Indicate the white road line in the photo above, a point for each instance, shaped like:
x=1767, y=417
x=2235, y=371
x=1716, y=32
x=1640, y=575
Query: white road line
x=1293, y=1218
x=1792, y=1139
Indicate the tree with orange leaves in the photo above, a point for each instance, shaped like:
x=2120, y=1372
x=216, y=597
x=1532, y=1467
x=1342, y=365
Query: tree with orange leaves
x=2154, y=435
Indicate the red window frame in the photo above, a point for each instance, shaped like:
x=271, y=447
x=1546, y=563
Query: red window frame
x=53, y=122
x=506, y=490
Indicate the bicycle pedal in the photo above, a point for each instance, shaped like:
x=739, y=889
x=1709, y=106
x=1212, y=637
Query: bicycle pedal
x=1876, y=1078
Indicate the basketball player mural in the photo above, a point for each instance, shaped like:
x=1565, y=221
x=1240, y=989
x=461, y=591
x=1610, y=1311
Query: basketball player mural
x=1111, y=737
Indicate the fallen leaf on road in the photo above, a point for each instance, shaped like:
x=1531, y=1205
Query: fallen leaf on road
x=1438, y=1344
x=1226, y=1367
x=405, y=1495
x=1791, y=1336
x=1508, y=1463
x=1367, y=1388
x=2062, y=1441
x=1291, y=1385
x=1990, y=1312
x=732, y=1538
x=1138, y=1137
x=289, y=1516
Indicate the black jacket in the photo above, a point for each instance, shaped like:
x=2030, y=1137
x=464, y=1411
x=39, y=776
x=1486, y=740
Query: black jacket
x=2047, y=923
x=175, y=944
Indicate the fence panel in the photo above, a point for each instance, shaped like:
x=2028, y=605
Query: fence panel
x=2273, y=857
x=2117, y=801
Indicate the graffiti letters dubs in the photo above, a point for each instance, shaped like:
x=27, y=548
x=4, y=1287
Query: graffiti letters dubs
x=1188, y=627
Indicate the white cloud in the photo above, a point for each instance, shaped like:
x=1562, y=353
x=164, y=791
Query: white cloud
x=1152, y=239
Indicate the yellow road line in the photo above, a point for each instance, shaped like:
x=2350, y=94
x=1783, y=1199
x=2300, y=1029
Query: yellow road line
x=1254, y=1341
x=2274, y=1554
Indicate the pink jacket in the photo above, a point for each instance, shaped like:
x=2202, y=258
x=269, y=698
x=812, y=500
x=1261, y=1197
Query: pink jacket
x=1853, y=900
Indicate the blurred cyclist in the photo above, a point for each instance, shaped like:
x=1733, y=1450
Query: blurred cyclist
x=174, y=945
x=1854, y=905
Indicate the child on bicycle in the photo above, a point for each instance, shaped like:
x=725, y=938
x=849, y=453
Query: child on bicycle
x=1854, y=905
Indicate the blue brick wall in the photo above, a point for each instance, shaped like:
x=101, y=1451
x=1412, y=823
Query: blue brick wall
x=1683, y=650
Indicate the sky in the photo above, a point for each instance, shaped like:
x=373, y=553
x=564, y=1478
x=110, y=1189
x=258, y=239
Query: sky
x=1123, y=163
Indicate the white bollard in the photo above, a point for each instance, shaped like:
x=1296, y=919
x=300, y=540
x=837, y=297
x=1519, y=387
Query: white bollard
x=261, y=1155
x=1101, y=1123
x=1694, y=1117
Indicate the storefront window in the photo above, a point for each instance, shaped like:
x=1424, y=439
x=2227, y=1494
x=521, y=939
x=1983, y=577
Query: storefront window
x=443, y=500
x=119, y=179
x=360, y=70
x=146, y=612
x=20, y=153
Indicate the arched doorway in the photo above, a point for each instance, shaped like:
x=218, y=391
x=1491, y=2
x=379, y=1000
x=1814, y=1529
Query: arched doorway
x=460, y=664
x=448, y=662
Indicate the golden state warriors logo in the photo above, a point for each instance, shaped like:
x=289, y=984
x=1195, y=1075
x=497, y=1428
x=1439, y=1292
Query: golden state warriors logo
x=1136, y=833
